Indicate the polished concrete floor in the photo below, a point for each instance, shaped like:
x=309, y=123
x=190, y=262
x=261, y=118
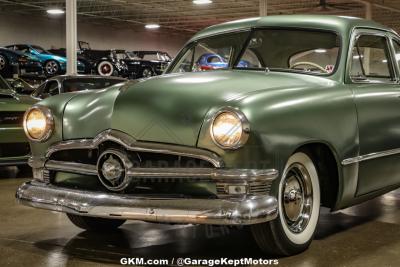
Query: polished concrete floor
x=365, y=235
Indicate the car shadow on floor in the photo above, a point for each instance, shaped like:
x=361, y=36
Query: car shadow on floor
x=148, y=240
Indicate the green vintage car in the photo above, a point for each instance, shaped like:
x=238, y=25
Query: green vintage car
x=14, y=146
x=305, y=113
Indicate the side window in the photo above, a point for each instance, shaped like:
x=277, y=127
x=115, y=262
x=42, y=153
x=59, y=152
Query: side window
x=371, y=59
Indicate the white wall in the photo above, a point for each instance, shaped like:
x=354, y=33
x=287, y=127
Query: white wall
x=50, y=33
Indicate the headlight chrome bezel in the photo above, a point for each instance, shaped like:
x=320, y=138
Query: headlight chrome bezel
x=244, y=123
x=49, y=123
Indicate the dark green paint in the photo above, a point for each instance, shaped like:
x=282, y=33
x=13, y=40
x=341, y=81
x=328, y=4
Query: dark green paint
x=285, y=110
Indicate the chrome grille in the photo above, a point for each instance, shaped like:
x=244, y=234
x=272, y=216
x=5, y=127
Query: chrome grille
x=255, y=188
x=11, y=117
x=46, y=176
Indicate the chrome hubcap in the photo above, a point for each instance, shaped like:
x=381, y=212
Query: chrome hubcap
x=297, y=198
x=112, y=170
x=2, y=62
x=51, y=67
x=112, y=167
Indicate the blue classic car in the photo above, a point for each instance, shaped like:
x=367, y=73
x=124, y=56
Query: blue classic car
x=26, y=63
x=52, y=64
x=211, y=61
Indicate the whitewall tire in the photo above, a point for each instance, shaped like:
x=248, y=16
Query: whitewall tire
x=298, y=206
x=105, y=68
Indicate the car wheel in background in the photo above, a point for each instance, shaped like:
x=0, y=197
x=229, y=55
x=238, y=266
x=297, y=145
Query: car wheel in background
x=298, y=208
x=147, y=73
x=3, y=63
x=105, y=68
x=51, y=67
x=95, y=224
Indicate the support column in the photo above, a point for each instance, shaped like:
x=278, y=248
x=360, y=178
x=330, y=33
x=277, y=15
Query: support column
x=71, y=31
x=263, y=8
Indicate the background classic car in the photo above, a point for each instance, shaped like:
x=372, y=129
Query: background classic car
x=144, y=64
x=14, y=147
x=52, y=64
x=311, y=121
x=101, y=62
x=12, y=62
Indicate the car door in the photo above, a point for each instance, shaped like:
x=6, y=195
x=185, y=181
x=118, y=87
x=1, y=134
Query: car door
x=374, y=79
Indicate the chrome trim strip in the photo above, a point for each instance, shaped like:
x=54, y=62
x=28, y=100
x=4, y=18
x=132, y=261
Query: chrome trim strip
x=250, y=210
x=79, y=168
x=370, y=156
x=133, y=145
x=231, y=175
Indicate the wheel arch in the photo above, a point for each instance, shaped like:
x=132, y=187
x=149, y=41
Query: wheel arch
x=328, y=167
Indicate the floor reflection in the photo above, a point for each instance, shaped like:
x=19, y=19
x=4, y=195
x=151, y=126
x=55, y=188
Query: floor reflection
x=15, y=172
x=364, y=235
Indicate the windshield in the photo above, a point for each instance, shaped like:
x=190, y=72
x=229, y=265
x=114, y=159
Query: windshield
x=305, y=51
x=201, y=55
x=40, y=50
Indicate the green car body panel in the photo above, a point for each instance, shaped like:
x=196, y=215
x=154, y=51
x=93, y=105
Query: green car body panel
x=286, y=111
x=12, y=133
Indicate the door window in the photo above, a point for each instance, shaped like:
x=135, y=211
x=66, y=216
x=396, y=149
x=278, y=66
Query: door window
x=371, y=59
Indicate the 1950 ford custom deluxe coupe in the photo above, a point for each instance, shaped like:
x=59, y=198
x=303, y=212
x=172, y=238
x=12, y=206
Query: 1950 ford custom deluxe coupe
x=311, y=119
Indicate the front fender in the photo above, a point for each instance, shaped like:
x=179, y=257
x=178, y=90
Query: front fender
x=57, y=105
x=282, y=120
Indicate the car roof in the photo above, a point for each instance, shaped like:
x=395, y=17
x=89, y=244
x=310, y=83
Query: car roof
x=339, y=24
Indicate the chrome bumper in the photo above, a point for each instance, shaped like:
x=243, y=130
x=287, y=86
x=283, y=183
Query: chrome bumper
x=250, y=210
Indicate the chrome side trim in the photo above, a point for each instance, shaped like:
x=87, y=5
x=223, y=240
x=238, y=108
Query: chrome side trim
x=230, y=175
x=250, y=210
x=133, y=145
x=79, y=168
x=370, y=156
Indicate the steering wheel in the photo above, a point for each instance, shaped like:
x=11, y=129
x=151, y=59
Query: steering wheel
x=312, y=64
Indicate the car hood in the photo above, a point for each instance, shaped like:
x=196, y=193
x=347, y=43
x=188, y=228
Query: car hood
x=11, y=102
x=172, y=108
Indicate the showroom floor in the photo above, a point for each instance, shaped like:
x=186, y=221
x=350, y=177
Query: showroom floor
x=366, y=235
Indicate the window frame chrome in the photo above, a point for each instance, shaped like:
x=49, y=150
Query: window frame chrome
x=355, y=35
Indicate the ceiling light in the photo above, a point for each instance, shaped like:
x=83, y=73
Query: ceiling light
x=55, y=11
x=320, y=50
x=202, y=2
x=152, y=26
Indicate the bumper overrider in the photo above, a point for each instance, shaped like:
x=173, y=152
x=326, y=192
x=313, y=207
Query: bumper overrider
x=241, y=203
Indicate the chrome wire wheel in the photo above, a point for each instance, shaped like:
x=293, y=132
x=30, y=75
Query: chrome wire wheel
x=51, y=67
x=3, y=62
x=297, y=198
x=147, y=73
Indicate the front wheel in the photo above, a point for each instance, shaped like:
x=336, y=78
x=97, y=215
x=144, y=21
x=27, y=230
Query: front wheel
x=95, y=224
x=298, y=206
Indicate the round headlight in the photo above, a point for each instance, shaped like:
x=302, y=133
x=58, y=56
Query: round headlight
x=38, y=123
x=230, y=129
